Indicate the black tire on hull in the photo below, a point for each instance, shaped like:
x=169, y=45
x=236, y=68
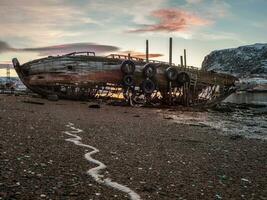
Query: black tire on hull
x=128, y=67
x=128, y=80
x=149, y=70
x=148, y=86
x=171, y=73
x=183, y=78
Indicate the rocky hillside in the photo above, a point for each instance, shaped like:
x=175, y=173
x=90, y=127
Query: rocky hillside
x=244, y=61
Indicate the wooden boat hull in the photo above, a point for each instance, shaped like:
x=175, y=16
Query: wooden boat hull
x=76, y=77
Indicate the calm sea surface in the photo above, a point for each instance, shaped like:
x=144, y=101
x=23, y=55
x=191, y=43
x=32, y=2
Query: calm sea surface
x=249, y=98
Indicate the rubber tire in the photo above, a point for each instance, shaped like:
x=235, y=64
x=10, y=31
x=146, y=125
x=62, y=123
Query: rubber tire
x=148, y=86
x=171, y=73
x=127, y=67
x=128, y=80
x=183, y=78
x=149, y=70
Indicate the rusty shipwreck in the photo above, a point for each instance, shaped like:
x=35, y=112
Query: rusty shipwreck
x=83, y=75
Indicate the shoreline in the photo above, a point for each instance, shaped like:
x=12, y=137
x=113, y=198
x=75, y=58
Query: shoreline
x=142, y=149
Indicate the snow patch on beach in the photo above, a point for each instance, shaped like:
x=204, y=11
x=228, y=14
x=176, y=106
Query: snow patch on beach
x=95, y=172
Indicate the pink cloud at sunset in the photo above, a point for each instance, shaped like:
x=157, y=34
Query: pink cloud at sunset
x=173, y=20
x=140, y=54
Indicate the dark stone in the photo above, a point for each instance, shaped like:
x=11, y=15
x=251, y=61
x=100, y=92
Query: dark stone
x=149, y=188
x=94, y=106
x=52, y=97
x=168, y=118
x=33, y=102
x=236, y=137
x=222, y=108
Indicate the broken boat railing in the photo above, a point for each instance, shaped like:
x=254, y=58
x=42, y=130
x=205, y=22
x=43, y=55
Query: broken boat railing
x=119, y=56
x=88, y=53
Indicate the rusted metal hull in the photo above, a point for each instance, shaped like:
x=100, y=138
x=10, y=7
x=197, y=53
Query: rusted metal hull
x=82, y=77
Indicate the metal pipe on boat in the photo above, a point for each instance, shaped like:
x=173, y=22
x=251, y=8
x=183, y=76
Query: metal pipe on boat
x=181, y=58
x=185, y=58
x=170, y=52
x=147, y=51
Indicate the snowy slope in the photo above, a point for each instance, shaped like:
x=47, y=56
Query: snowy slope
x=244, y=61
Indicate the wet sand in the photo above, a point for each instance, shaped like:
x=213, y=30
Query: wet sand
x=142, y=149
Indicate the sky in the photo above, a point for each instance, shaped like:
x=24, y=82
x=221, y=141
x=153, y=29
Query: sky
x=31, y=29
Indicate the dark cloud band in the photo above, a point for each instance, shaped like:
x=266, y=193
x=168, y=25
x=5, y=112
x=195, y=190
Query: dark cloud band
x=61, y=49
x=4, y=47
x=4, y=66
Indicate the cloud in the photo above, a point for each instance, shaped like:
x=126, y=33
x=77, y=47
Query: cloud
x=138, y=10
x=141, y=55
x=151, y=55
x=5, y=65
x=42, y=21
x=51, y=21
x=213, y=9
x=61, y=49
x=4, y=47
x=173, y=20
x=194, y=1
x=219, y=35
x=259, y=24
x=67, y=48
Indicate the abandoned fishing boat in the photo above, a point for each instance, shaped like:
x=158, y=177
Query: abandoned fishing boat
x=83, y=75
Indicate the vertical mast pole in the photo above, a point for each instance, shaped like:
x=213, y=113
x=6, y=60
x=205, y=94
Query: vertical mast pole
x=185, y=65
x=147, y=51
x=170, y=52
x=181, y=60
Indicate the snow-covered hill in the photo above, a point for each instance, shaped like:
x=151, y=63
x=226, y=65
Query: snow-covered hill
x=244, y=61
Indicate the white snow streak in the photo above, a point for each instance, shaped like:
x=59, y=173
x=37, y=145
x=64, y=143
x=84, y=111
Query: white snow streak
x=95, y=172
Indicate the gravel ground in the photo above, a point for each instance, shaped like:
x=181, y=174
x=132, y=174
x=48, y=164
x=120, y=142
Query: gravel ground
x=142, y=148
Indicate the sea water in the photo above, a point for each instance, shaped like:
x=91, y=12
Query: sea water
x=250, y=122
x=248, y=98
